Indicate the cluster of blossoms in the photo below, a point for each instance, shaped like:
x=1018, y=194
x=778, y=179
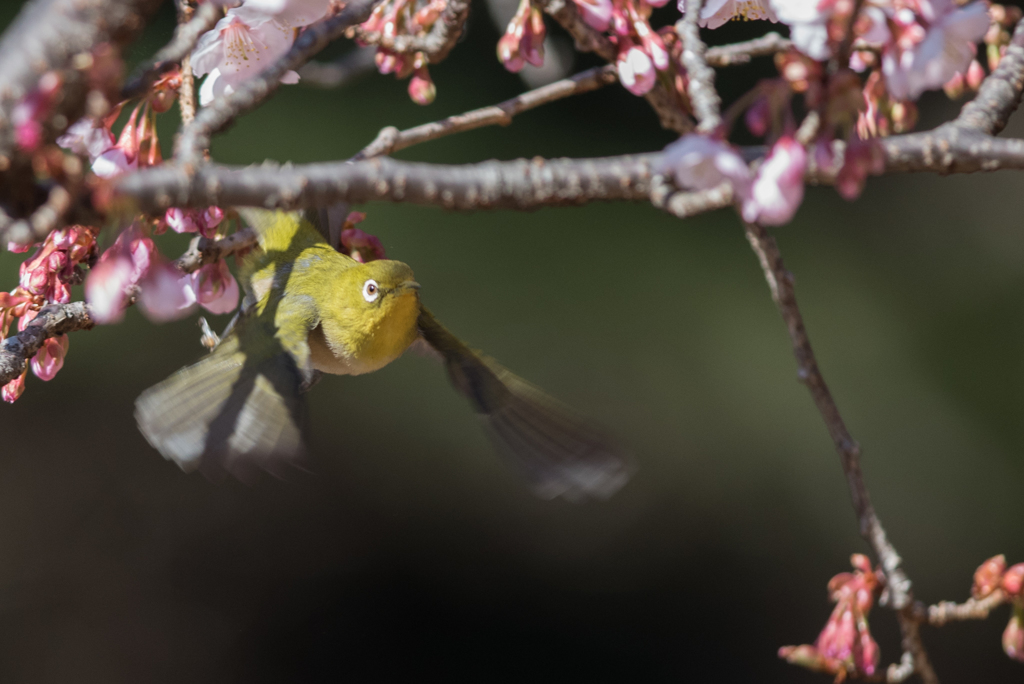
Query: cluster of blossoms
x=248, y=40
x=992, y=576
x=845, y=646
x=360, y=246
x=394, y=18
x=45, y=278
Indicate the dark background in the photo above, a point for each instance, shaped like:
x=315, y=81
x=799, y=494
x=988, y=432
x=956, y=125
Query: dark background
x=412, y=552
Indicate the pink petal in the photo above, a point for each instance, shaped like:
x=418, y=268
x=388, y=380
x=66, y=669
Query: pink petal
x=165, y=293
x=105, y=288
x=215, y=288
x=50, y=358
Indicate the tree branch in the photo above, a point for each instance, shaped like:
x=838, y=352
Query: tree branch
x=185, y=37
x=204, y=251
x=195, y=138
x=390, y=140
x=52, y=320
x=950, y=611
x=780, y=282
x=999, y=93
x=742, y=53
x=701, y=82
x=518, y=184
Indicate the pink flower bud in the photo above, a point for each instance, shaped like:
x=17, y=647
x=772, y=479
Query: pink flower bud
x=867, y=655
x=954, y=87
x=863, y=158
x=12, y=390
x=597, y=14
x=421, y=89
x=698, y=162
x=508, y=53
x=361, y=246
x=778, y=187
x=1013, y=580
x=1013, y=637
x=636, y=71
x=180, y=220
x=165, y=293
x=975, y=75
x=215, y=288
x=212, y=216
x=15, y=248
x=988, y=576
x=50, y=358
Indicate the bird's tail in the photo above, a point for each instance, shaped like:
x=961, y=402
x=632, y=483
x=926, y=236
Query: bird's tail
x=230, y=411
x=561, y=453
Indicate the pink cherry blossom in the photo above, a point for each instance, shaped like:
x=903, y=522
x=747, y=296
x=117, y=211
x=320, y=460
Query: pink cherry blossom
x=596, y=13
x=360, y=246
x=523, y=40
x=50, y=357
x=863, y=158
x=933, y=46
x=87, y=137
x=121, y=267
x=165, y=292
x=240, y=47
x=808, y=24
x=291, y=13
x=636, y=71
x=778, y=187
x=214, y=288
x=714, y=13
x=421, y=88
x=12, y=390
x=1013, y=637
x=698, y=162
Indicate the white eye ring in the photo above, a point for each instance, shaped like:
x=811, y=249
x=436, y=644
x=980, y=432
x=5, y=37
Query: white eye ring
x=371, y=290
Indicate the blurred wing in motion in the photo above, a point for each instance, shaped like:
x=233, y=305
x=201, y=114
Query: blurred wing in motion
x=562, y=454
x=234, y=410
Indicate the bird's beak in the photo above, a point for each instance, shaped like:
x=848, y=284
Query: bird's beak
x=409, y=285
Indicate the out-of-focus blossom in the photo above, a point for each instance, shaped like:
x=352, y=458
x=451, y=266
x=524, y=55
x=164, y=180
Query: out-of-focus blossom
x=122, y=266
x=932, y=46
x=360, y=246
x=717, y=12
x=1013, y=637
x=778, y=187
x=636, y=71
x=165, y=293
x=845, y=644
x=988, y=576
x=12, y=390
x=202, y=221
x=863, y=158
x=87, y=137
x=50, y=357
x=240, y=47
x=524, y=38
x=808, y=22
x=291, y=13
x=28, y=115
x=214, y=288
x=46, y=274
x=596, y=13
x=698, y=162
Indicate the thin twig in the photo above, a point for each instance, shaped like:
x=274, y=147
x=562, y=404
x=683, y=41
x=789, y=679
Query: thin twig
x=971, y=609
x=742, y=53
x=389, y=140
x=900, y=598
x=187, y=91
x=341, y=71
x=685, y=203
x=701, y=78
x=192, y=24
x=204, y=251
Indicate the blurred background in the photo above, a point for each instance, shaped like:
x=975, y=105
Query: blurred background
x=411, y=551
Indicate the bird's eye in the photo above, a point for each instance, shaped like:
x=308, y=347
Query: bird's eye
x=371, y=290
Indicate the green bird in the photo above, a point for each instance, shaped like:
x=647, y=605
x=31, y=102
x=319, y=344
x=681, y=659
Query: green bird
x=309, y=309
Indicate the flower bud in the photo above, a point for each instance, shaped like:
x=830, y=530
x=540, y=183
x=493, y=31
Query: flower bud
x=988, y=576
x=975, y=75
x=12, y=390
x=164, y=293
x=1013, y=580
x=1013, y=637
x=421, y=88
x=50, y=358
x=215, y=288
x=597, y=14
x=636, y=72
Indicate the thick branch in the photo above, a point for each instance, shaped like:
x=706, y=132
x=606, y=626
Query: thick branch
x=951, y=149
x=701, y=82
x=52, y=320
x=518, y=184
x=1000, y=93
x=780, y=282
x=195, y=138
x=390, y=140
x=341, y=71
x=185, y=38
x=436, y=43
x=665, y=103
x=683, y=204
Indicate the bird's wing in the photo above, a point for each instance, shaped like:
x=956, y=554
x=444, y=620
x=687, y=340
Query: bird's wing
x=239, y=409
x=561, y=453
